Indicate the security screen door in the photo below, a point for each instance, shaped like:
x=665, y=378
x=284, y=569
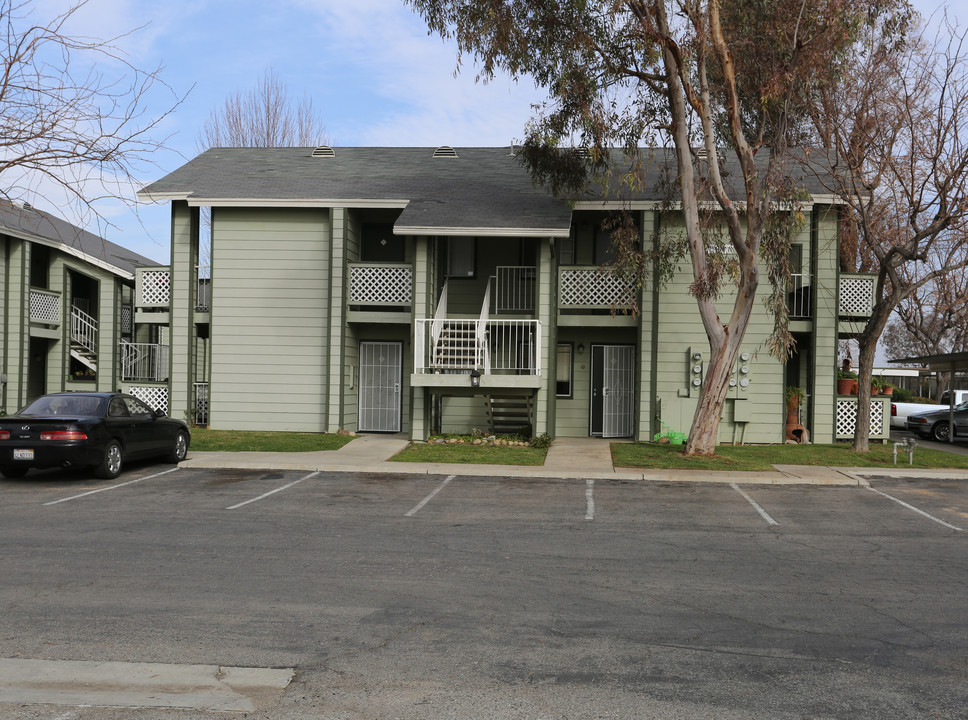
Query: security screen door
x=381, y=370
x=613, y=390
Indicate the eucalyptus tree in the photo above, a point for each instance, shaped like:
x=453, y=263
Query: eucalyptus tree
x=708, y=79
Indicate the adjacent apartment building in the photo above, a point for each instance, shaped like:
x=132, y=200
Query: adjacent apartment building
x=67, y=318
x=423, y=290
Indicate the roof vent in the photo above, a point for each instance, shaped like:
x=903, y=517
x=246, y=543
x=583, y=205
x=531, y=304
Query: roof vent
x=445, y=151
x=324, y=151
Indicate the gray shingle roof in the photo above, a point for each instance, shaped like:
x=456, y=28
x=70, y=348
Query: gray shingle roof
x=33, y=224
x=484, y=190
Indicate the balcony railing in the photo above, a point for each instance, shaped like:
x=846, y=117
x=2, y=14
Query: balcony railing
x=381, y=284
x=590, y=288
x=45, y=306
x=153, y=287
x=856, y=295
x=798, y=297
x=514, y=289
x=511, y=347
x=144, y=362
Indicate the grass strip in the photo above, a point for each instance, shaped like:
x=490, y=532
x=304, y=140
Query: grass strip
x=476, y=454
x=206, y=440
x=764, y=457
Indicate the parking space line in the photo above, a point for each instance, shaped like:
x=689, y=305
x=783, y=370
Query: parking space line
x=589, y=499
x=751, y=501
x=917, y=510
x=113, y=487
x=430, y=497
x=272, y=492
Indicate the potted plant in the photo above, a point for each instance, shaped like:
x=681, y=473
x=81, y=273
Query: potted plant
x=877, y=385
x=794, y=396
x=888, y=389
x=846, y=380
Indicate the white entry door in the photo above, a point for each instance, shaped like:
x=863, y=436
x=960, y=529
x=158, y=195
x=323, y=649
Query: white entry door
x=381, y=371
x=613, y=390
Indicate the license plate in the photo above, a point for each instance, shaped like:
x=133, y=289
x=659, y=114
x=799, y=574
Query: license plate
x=23, y=454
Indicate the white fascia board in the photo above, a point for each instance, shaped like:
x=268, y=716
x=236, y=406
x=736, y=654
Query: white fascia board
x=72, y=251
x=616, y=205
x=298, y=202
x=162, y=197
x=481, y=231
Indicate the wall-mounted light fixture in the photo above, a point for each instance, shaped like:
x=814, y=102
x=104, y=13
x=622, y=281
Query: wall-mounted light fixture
x=475, y=379
x=581, y=348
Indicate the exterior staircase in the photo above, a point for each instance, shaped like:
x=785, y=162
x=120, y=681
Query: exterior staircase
x=84, y=338
x=508, y=413
x=456, y=347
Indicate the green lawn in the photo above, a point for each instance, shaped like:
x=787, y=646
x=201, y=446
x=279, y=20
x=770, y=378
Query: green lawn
x=763, y=457
x=478, y=454
x=204, y=440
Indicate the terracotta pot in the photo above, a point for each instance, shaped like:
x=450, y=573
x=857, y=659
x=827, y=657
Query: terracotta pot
x=887, y=391
x=844, y=385
x=853, y=387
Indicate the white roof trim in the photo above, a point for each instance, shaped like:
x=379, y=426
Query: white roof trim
x=481, y=231
x=298, y=202
x=68, y=249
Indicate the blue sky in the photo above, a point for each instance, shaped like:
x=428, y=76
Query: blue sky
x=369, y=66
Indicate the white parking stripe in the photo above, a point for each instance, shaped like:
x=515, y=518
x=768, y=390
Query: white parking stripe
x=589, y=499
x=761, y=511
x=920, y=512
x=272, y=492
x=427, y=499
x=113, y=487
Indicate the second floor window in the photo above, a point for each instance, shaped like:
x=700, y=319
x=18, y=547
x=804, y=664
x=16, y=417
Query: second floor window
x=460, y=257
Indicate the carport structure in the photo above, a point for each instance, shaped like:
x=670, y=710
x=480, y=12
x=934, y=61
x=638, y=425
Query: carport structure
x=945, y=362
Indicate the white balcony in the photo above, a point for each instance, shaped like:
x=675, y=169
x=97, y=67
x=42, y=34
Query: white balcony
x=380, y=284
x=506, y=353
x=590, y=288
x=144, y=362
x=45, y=307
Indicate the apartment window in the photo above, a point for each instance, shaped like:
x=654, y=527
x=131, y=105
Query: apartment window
x=460, y=257
x=563, y=385
x=566, y=250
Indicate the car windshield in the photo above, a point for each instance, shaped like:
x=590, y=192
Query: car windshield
x=962, y=406
x=65, y=405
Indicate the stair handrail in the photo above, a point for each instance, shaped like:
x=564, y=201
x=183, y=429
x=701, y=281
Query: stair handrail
x=83, y=329
x=130, y=354
x=483, y=353
x=440, y=315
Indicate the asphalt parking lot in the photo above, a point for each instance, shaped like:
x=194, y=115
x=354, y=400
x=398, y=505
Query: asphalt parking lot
x=430, y=596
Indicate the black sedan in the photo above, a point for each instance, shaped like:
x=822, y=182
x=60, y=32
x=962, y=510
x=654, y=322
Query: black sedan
x=935, y=425
x=98, y=430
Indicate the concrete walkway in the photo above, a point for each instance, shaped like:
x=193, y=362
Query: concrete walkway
x=577, y=458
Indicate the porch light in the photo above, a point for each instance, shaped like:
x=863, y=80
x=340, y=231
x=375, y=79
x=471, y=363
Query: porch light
x=475, y=379
x=581, y=348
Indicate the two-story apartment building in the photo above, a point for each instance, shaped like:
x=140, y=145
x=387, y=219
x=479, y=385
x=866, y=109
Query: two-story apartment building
x=419, y=290
x=67, y=318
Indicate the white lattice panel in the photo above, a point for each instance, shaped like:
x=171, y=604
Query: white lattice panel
x=847, y=418
x=589, y=287
x=155, y=287
x=856, y=296
x=45, y=307
x=126, y=319
x=380, y=285
x=154, y=397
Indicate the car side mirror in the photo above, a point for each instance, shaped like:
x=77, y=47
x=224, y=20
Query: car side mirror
x=160, y=413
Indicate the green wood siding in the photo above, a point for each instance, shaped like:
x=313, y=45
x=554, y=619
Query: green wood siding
x=269, y=337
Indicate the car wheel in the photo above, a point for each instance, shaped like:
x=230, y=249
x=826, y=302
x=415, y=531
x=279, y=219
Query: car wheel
x=940, y=431
x=110, y=466
x=13, y=472
x=179, y=451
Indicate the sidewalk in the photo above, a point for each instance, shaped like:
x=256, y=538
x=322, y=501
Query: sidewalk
x=568, y=458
